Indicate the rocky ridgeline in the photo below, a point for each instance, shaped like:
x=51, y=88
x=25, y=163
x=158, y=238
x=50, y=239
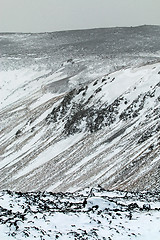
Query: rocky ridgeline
x=81, y=115
x=82, y=109
x=90, y=214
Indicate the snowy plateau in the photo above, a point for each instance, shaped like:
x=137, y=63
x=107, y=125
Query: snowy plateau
x=80, y=134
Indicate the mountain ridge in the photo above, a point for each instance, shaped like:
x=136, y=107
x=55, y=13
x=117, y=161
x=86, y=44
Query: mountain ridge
x=85, y=29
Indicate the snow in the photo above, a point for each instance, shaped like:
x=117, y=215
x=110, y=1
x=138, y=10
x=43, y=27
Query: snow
x=45, y=215
x=50, y=153
x=42, y=100
x=101, y=203
x=17, y=84
x=124, y=81
x=14, y=84
x=43, y=144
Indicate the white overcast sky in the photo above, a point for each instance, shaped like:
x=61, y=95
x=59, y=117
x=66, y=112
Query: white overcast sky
x=56, y=15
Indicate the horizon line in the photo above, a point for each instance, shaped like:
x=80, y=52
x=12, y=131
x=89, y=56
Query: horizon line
x=80, y=29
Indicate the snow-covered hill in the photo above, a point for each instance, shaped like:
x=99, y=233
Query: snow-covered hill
x=90, y=214
x=104, y=132
x=80, y=109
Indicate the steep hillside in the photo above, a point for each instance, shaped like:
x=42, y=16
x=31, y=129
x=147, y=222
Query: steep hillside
x=76, y=120
x=105, y=132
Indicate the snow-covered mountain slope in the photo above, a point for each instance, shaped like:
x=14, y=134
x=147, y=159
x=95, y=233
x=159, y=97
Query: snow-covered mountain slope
x=105, y=132
x=72, y=119
x=89, y=214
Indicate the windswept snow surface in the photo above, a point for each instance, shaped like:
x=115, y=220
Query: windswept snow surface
x=90, y=214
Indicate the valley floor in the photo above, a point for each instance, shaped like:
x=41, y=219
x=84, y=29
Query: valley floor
x=90, y=214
